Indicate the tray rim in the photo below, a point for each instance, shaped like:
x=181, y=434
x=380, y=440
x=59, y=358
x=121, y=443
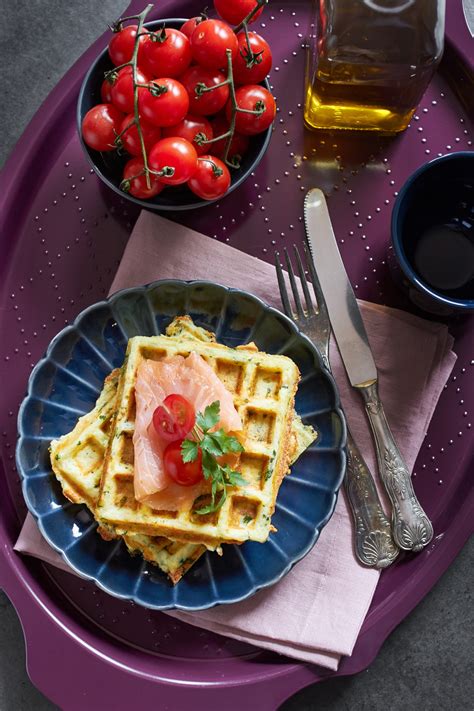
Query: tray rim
x=24, y=590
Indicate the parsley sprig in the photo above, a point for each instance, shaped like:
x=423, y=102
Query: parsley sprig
x=213, y=445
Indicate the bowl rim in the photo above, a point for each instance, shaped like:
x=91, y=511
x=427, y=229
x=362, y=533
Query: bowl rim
x=408, y=270
x=143, y=289
x=149, y=204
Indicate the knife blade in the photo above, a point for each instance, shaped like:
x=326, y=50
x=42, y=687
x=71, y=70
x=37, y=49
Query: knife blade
x=412, y=529
x=468, y=9
x=344, y=314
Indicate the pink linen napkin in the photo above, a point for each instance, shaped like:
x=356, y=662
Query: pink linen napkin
x=414, y=360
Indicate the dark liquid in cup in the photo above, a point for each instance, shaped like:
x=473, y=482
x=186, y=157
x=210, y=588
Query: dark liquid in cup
x=444, y=257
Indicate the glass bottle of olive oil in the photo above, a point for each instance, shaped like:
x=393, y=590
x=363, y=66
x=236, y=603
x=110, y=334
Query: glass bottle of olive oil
x=370, y=61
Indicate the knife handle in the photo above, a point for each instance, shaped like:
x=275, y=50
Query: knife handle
x=412, y=529
x=374, y=544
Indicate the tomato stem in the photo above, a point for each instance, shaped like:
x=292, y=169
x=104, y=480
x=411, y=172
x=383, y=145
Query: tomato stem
x=216, y=171
x=246, y=20
x=141, y=19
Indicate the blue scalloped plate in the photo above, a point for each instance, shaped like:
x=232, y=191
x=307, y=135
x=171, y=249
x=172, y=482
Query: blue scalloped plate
x=65, y=384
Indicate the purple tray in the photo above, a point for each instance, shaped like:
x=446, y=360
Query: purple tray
x=62, y=238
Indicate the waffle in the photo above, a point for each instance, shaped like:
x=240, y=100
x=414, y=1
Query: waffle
x=263, y=387
x=78, y=457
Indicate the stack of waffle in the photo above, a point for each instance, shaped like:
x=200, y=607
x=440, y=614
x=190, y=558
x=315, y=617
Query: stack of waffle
x=95, y=462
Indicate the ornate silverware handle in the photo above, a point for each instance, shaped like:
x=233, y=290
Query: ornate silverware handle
x=373, y=536
x=411, y=527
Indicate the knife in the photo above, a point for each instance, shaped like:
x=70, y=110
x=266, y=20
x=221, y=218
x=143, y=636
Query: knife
x=412, y=529
x=468, y=9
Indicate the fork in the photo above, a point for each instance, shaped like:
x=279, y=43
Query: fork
x=374, y=545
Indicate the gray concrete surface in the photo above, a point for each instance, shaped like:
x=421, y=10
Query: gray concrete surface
x=427, y=662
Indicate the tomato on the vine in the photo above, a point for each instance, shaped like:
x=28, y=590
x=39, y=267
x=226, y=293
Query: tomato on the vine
x=105, y=94
x=122, y=44
x=254, y=68
x=238, y=146
x=190, y=127
x=211, y=179
x=210, y=41
x=122, y=88
x=174, y=418
x=131, y=140
x=167, y=54
x=176, y=155
x=164, y=103
x=184, y=473
x=101, y=126
x=254, y=98
x=134, y=180
x=190, y=25
x=234, y=11
x=209, y=102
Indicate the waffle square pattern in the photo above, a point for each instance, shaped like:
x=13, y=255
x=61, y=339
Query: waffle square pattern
x=263, y=387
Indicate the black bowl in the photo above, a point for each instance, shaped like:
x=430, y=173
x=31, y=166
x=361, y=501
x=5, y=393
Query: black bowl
x=109, y=166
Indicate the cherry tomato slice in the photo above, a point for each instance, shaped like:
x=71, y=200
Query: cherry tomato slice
x=135, y=183
x=211, y=179
x=184, y=473
x=189, y=128
x=210, y=41
x=175, y=153
x=101, y=126
x=234, y=11
x=174, y=418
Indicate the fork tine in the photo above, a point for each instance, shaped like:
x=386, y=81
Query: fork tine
x=294, y=288
x=304, y=283
x=321, y=303
x=282, y=286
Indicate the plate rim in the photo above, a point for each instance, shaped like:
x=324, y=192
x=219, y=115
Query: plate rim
x=142, y=289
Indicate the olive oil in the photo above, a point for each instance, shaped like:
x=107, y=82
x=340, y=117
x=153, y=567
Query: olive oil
x=370, y=61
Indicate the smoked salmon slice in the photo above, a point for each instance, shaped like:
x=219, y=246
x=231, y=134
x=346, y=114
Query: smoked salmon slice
x=195, y=380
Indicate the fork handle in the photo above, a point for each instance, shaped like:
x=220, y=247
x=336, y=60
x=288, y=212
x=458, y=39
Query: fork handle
x=412, y=529
x=374, y=544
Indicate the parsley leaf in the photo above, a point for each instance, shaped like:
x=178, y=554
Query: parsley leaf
x=213, y=445
x=189, y=450
x=210, y=418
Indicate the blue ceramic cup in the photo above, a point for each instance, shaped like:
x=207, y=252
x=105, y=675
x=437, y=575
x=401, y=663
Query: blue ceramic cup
x=431, y=256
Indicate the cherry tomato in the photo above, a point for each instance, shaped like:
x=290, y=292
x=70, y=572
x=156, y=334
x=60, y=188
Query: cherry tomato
x=130, y=138
x=122, y=88
x=211, y=179
x=234, y=11
x=189, y=128
x=122, y=44
x=167, y=54
x=238, y=146
x=137, y=186
x=210, y=102
x=105, y=94
x=100, y=127
x=209, y=43
x=253, y=96
x=190, y=25
x=252, y=70
x=174, y=419
x=184, y=473
x=177, y=154
x=164, y=103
